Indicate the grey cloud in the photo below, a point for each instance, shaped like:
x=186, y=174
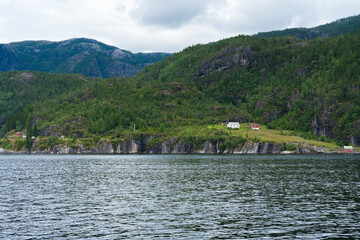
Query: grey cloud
x=161, y=25
x=248, y=17
x=257, y=15
x=169, y=14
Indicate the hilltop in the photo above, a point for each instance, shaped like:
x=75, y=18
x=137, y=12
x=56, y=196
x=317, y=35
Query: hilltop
x=336, y=28
x=79, y=55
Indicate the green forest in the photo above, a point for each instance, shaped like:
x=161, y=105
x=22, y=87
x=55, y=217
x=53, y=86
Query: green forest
x=309, y=87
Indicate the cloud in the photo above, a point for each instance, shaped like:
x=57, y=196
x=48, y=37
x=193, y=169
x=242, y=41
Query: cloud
x=161, y=25
x=250, y=17
x=169, y=14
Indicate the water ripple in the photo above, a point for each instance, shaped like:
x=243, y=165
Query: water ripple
x=179, y=197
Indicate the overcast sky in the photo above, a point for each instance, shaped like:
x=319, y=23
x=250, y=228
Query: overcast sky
x=161, y=25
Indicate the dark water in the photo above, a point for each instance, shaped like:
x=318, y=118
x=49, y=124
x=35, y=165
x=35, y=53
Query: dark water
x=179, y=197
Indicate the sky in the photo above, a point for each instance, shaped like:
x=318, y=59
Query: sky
x=161, y=25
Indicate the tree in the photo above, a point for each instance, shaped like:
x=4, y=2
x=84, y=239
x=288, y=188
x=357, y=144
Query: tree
x=28, y=140
x=35, y=131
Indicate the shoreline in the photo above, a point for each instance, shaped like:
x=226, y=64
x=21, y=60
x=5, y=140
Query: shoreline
x=181, y=146
x=194, y=153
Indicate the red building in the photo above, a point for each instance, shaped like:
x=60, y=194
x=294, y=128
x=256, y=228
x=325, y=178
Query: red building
x=348, y=149
x=255, y=126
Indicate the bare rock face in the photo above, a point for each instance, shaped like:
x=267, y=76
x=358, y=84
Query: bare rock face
x=208, y=147
x=132, y=146
x=183, y=147
x=355, y=140
x=269, y=148
x=170, y=146
x=52, y=130
x=227, y=59
x=323, y=125
x=103, y=147
x=305, y=150
x=355, y=135
x=58, y=149
x=80, y=149
x=248, y=148
x=166, y=146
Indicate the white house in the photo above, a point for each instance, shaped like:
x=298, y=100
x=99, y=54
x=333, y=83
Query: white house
x=233, y=125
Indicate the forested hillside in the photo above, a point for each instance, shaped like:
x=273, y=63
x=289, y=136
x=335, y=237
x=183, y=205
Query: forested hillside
x=285, y=83
x=310, y=87
x=20, y=90
x=85, y=56
x=336, y=28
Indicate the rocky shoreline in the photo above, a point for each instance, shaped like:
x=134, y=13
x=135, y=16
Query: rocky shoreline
x=175, y=146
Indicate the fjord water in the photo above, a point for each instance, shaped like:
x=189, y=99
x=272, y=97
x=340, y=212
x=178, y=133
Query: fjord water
x=179, y=197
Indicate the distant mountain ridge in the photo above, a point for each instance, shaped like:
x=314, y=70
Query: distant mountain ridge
x=79, y=55
x=336, y=28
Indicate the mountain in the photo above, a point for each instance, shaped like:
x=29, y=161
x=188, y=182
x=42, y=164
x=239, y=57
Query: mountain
x=305, y=88
x=85, y=56
x=308, y=86
x=303, y=85
x=336, y=28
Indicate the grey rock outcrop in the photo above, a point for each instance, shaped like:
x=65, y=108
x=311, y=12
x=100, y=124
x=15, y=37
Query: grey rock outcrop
x=156, y=145
x=183, y=147
x=248, y=148
x=208, y=147
x=103, y=146
x=132, y=146
x=269, y=148
x=305, y=150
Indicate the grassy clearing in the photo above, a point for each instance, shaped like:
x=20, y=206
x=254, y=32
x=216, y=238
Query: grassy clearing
x=193, y=133
x=271, y=135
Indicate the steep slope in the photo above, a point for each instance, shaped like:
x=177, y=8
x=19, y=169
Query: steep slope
x=19, y=90
x=336, y=28
x=307, y=86
x=311, y=87
x=84, y=56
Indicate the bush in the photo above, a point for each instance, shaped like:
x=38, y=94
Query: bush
x=53, y=140
x=19, y=144
x=74, y=138
x=271, y=125
x=283, y=146
x=154, y=142
x=232, y=143
x=290, y=147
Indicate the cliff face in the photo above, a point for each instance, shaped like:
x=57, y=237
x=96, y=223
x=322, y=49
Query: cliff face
x=171, y=146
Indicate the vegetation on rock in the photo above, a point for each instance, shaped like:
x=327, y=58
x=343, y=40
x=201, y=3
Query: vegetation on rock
x=308, y=89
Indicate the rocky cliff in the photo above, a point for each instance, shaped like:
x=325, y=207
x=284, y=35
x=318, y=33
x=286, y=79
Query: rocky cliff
x=172, y=146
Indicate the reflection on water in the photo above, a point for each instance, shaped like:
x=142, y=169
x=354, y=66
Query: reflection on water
x=179, y=197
